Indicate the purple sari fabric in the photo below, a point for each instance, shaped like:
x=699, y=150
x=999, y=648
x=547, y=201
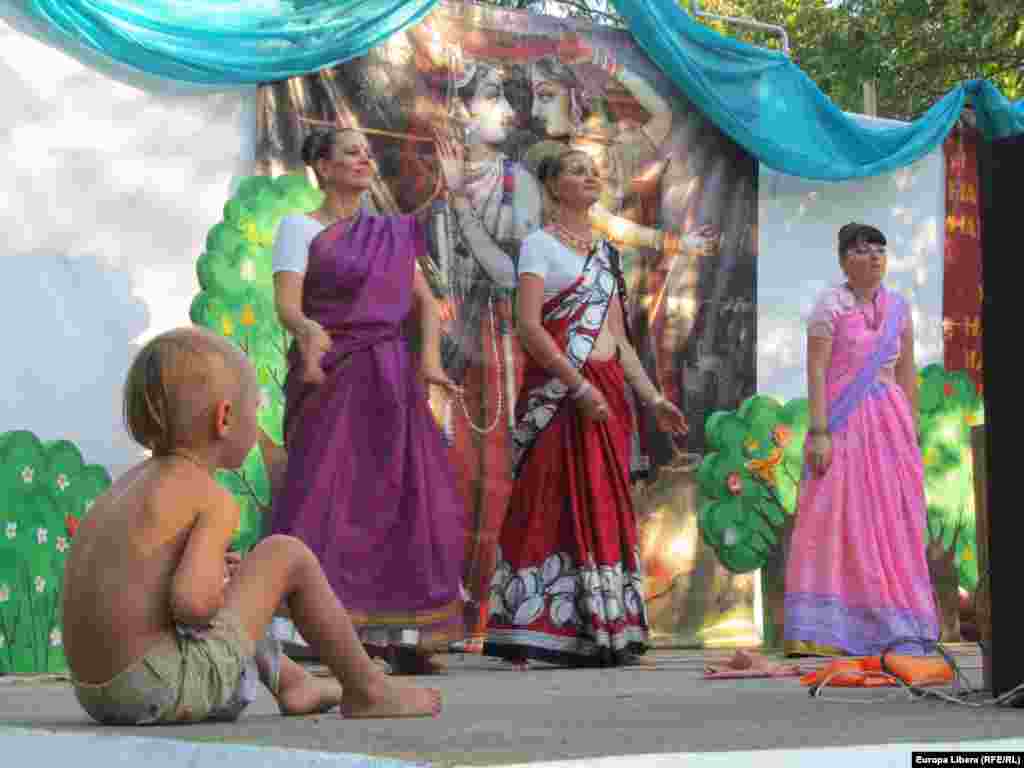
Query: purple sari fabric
x=368, y=485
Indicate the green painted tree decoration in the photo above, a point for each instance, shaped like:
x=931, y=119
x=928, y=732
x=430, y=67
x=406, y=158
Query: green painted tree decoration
x=236, y=300
x=45, y=491
x=949, y=405
x=748, y=482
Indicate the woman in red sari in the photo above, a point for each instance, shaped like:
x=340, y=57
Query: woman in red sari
x=568, y=588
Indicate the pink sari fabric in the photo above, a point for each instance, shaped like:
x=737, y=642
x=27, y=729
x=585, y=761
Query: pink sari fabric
x=857, y=575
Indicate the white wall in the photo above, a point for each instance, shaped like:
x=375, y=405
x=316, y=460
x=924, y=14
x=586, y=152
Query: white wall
x=108, y=190
x=798, y=221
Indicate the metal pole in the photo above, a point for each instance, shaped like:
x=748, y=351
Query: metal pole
x=778, y=30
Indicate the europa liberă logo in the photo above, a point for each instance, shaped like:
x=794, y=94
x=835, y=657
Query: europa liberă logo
x=967, y=758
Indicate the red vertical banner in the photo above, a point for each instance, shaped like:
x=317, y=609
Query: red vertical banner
x=962, y=287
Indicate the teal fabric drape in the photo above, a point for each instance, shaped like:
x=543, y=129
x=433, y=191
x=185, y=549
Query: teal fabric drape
x=228, y=42
x=770, y=107
x=758, y=97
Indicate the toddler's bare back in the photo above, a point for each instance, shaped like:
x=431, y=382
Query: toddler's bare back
x=119, y=575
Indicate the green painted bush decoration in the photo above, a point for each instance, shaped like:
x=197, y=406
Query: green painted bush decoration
x=45, y=491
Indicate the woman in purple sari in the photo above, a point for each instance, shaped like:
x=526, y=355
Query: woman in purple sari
x=857, y=577
x=368, y=486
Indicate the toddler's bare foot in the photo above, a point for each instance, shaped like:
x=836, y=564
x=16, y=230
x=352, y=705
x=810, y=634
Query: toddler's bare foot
x=311, y=696
x=388, y=698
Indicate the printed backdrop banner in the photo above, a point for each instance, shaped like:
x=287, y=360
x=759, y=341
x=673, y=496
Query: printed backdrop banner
x=680, y=201
x=962, y=289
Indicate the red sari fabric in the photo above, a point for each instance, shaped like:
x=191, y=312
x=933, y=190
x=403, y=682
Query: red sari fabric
x=568, y=587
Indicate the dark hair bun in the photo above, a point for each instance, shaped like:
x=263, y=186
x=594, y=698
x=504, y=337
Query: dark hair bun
x=315, y=145
x=549, y=168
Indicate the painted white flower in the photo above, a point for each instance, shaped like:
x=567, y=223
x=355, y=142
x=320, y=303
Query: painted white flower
x=63, y=483
x=56, y=638
x=12, y=530
x=5, y=593
x=563, y=611
x=88, y=505
x=27, y=475
x=62, y=544
x=265, y=397
x=247, y=270
x=633, y=601
x=529, y=611
x=554, y=566
x=42, y=535
x=3, y=640
x=515, y=593
x=40, y=584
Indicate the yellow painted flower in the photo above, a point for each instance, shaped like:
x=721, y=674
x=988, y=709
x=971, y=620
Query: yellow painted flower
x=764, y=469
x=929, y=457
x=782, y=435
x=251, y=232
x=968, y=554
x=227, y=327
x=751, y=445
x=248, y=317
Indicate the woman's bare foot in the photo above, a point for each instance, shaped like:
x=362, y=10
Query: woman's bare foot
x=387, y=698
x=311, y=696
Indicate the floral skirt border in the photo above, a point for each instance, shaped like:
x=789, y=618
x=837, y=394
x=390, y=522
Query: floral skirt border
x=607, y=651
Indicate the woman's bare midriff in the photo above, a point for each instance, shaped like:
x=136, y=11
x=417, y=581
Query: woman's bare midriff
x=606, y=346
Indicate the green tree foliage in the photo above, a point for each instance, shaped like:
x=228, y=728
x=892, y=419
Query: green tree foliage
x=914, y=50
x=46, y=489
x=236, y=300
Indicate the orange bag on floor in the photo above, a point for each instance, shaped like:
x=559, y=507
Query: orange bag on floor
x=867, y=672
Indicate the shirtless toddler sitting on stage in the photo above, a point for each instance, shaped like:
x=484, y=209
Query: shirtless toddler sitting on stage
x=154, y=629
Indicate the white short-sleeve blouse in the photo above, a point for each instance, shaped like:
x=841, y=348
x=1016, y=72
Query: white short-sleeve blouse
x=295, y=233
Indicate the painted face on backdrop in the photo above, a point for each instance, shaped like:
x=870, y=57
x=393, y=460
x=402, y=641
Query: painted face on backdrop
x=552, y=107
x=578, y=185
x=350, y=164
x=865, y=263
x=490, y=111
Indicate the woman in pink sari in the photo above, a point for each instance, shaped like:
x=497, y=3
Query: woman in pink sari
x=857, y=577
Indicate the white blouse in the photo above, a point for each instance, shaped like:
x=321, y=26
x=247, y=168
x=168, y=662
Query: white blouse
x=295, y=233
x=544, y=255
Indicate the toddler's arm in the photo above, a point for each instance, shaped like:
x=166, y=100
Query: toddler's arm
x=197, y=592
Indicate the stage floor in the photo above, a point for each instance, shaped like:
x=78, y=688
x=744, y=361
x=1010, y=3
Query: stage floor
x=495, y=715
